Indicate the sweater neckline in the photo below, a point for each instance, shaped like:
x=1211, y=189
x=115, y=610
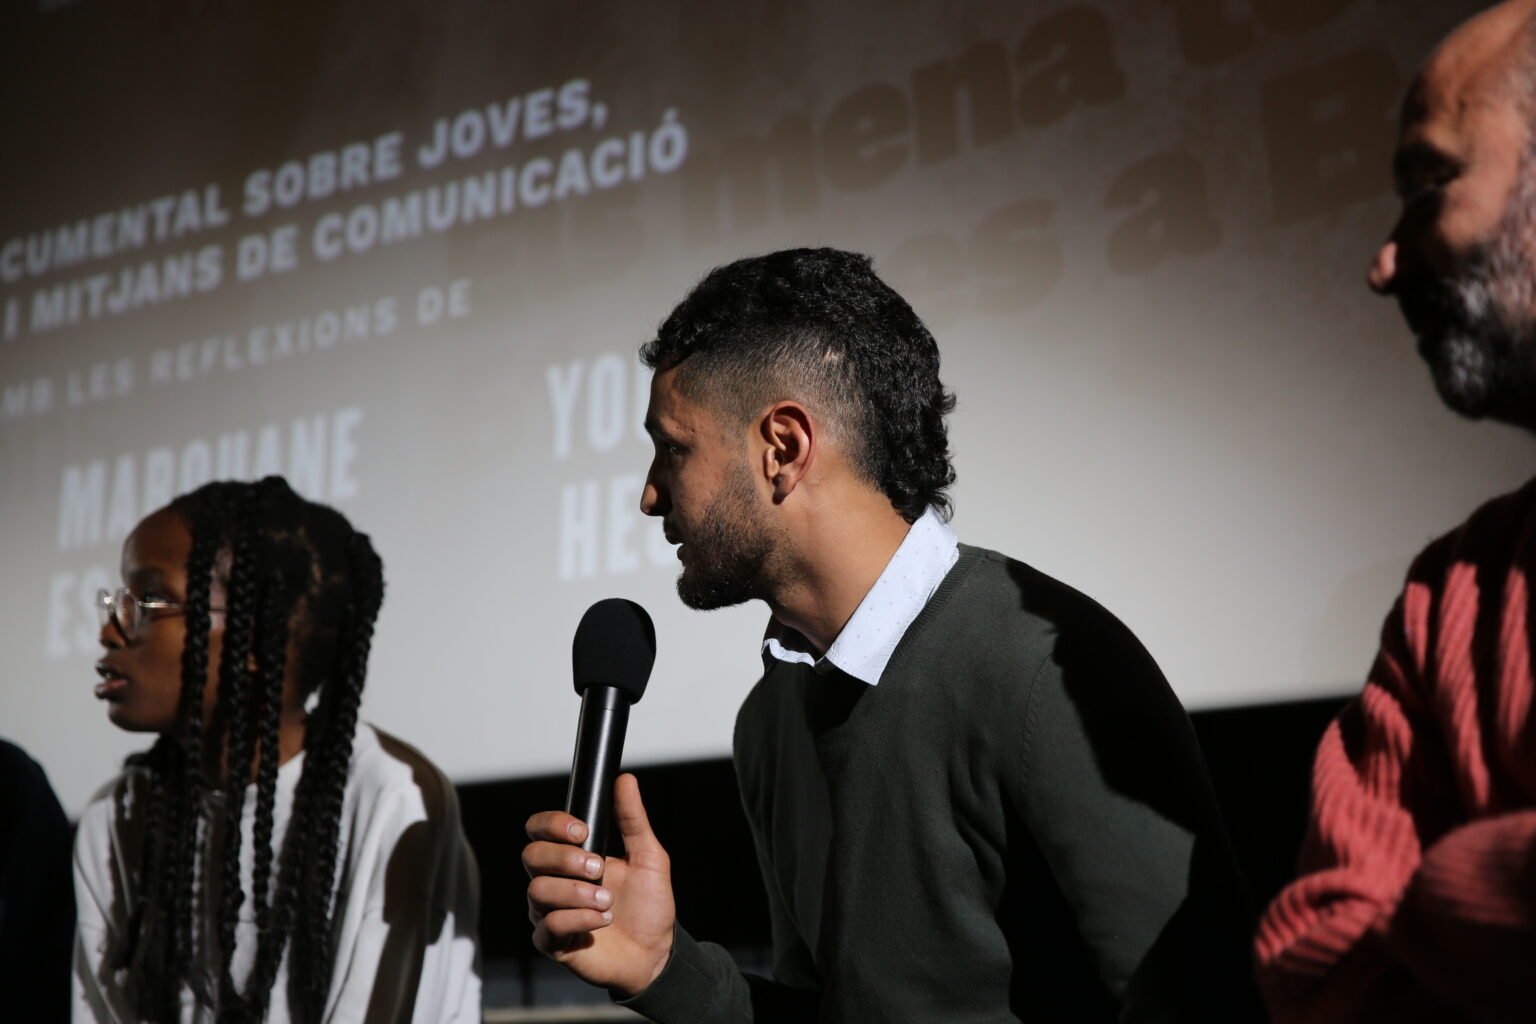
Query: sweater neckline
x=953, y=580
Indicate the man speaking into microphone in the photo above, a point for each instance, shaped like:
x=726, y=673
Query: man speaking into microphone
x=973, y=795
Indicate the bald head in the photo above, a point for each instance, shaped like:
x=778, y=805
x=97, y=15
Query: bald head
x=1493, y=51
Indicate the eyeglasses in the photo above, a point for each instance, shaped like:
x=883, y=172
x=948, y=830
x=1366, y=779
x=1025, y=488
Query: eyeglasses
x=132, y=614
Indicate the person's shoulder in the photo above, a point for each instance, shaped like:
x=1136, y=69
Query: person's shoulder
x=96, y=820
x=387, y=771
x=121, y=796
x=1095, y=681
x=1492, y=535
x=24, y=788
x=1022, y=619
x=406, y=837
x=1030, y=600
x=15, y=762
x=111, y=818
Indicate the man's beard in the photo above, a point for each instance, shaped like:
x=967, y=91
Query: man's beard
x=728, y=553
x=1477, y=329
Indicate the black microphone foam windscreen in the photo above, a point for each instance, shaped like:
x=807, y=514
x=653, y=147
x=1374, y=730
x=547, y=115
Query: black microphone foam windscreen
x=615, y=646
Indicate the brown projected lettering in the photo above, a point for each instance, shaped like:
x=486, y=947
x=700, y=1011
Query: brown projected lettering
x=1010, y=261
x=756, y=176
x=1298, y=15
x=1067, y=61
x=867, y=137
x=932, y=270
x=1172, y=212
x=1328, y=131
x=1208, y=33
x=979, y=78
x=1016, y=256
x=1211, y=31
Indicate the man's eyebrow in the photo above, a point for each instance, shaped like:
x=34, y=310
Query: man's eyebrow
x=656, y=430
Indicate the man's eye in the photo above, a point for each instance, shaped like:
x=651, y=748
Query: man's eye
x=1427, y=188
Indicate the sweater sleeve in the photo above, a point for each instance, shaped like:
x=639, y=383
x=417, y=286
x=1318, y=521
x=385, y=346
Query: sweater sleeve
x=1466, y=927
x=699, y=985
x=1377, y=925
x=1115, y=794
x=702, y=985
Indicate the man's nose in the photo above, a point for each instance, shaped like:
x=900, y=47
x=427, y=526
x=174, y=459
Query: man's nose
x=651, y=502
x=1383, y=273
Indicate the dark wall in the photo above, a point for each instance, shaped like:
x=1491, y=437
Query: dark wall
x=1260, y=760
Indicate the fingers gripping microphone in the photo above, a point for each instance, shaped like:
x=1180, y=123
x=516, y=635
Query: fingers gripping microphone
x=611, y=658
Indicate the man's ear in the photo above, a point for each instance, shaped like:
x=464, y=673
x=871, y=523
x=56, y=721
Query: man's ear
x=790, y=435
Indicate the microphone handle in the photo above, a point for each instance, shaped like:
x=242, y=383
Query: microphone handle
x=599, y=748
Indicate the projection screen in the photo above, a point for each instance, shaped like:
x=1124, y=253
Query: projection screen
x=405, y=257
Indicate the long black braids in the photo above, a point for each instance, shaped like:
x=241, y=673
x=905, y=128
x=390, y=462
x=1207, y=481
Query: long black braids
x=234, y=677
x=302, y=592
x=340, y=722
x=274, y=631
x=145, y=946
x=183, y=790
x=272, y=930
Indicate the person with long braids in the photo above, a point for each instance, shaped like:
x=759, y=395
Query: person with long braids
x=268, y=858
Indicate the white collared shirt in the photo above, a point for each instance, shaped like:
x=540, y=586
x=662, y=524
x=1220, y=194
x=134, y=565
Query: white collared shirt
x=864, y=647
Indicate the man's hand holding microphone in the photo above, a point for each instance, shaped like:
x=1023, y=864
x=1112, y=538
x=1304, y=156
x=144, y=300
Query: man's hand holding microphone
x=608, y=919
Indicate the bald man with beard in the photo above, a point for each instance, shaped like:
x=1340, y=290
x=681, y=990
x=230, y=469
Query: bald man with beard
x=1417, y=894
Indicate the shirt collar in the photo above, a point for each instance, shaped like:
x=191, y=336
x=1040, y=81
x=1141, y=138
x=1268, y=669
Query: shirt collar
x=864, y=647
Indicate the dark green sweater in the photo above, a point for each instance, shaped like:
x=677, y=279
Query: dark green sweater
x=1014, y=824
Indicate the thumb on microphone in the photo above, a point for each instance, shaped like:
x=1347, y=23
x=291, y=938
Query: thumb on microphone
x=641, y=847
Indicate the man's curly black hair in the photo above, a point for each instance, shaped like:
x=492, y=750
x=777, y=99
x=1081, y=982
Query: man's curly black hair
x=818, y=327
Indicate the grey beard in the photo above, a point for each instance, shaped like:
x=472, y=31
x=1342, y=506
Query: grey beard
x=1462, y=374
x=1479, y=328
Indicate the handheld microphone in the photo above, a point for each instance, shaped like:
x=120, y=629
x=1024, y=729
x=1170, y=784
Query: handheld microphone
x=611, y=661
